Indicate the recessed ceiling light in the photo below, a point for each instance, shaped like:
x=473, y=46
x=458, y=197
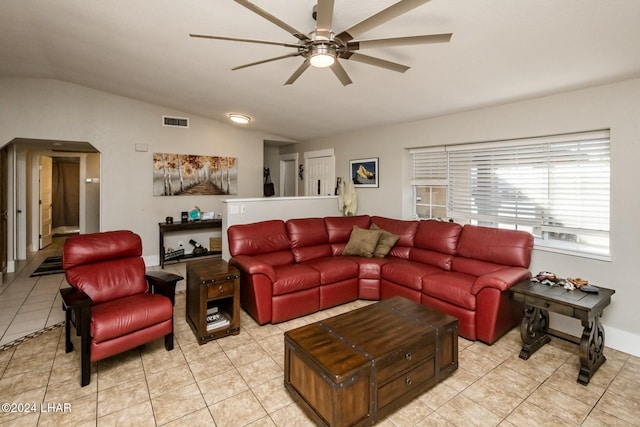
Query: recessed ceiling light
x=239, y=118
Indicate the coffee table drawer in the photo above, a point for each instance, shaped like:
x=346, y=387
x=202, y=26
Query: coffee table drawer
x=549, y=305
x=406, y=358
x=405, y=383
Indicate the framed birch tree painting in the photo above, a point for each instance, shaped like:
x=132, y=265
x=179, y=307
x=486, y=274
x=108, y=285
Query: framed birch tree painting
x=187, y=174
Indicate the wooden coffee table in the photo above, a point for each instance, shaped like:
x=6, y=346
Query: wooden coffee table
x=356, y=368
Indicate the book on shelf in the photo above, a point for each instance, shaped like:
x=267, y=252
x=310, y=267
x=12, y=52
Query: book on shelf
x=216, y=320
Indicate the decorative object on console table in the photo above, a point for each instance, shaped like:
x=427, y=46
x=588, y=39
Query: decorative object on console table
x=540, y=298
x=213, y=289
x=364, y=172
x=198, y=249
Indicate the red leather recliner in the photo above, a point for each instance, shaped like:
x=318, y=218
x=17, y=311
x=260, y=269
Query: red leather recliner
x=109, y=301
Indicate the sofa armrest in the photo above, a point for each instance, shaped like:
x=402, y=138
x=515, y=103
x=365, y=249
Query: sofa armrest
x=250, y=265
x=501, y=279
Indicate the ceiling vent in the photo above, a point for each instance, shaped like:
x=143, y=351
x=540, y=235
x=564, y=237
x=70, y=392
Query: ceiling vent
x=175, y=122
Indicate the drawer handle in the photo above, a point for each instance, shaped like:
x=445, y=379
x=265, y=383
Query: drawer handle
x=407, y=381
x=221, y=289
x=407, y=356
x=546, y=305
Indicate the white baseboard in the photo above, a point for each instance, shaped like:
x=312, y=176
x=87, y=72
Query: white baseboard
x=622, y=341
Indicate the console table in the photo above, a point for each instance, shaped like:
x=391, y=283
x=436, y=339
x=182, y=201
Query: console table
x=539, y=299
x=183, y=227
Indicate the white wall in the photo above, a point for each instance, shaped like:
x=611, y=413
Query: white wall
x=615, y=106
x=50, y=109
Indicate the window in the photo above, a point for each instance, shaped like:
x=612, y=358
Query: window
x=430, y=182
x=554, y=187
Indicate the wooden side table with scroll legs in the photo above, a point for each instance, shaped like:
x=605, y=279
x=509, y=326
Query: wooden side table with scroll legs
x=539, y=299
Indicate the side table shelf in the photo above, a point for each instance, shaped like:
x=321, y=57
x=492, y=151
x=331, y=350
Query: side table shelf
x=212, y=285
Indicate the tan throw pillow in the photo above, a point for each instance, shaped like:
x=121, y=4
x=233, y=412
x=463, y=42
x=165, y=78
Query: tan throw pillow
x=385, y=243
x=362, y=242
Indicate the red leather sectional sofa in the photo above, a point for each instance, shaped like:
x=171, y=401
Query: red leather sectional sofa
x=296, y=267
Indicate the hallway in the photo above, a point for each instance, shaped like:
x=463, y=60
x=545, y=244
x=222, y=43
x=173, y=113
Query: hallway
x=29, y=304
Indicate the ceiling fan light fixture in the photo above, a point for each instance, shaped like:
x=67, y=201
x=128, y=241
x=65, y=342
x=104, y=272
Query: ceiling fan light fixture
x=239, y=118
x=322, y=55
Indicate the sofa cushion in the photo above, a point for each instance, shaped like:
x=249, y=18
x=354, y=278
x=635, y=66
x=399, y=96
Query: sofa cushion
x=407, y=273
x=334, y=269
x=385, y=243
x=262, y=237
x=362, y=242
x=437, y=236
x=452, y=287
x=475, y=267
x=295, y=277
x=339, y=227
x=309, y=238
x=507, y=247
x=403, y=228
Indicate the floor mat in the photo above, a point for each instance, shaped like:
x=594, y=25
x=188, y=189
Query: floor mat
x=51, y=265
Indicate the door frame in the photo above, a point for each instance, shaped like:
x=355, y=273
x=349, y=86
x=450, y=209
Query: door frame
x=284, y=158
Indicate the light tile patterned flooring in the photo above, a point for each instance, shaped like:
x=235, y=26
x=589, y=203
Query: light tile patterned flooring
x=238, y=380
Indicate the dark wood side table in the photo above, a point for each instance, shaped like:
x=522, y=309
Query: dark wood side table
x=212, y=284
x=539, y=299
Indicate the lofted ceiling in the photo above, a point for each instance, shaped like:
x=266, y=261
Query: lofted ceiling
x=501, y=51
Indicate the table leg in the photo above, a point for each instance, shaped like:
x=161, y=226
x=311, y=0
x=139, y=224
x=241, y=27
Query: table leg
x=591, y=349
x=533, y=330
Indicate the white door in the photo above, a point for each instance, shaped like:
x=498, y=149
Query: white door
x=320, y=176
x=45, y=201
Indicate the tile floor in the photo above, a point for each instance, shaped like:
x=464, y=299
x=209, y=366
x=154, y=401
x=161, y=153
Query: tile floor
x=238, y=380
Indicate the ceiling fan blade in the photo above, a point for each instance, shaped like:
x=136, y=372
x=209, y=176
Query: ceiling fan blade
x=383, y=63
x=291, y=55
x=269, y=17
x=301, y=69
x=379, y=18
x=236, y=39
x=399, y=41
x=340, y=73
x=324, y=18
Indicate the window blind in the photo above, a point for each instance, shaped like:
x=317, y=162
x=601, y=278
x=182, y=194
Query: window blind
x=559, y=184
x=429, y=166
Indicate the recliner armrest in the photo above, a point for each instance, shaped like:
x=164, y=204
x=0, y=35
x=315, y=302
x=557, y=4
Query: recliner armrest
x=163, y=283
x=73, y=298
x=250, y=265
x=501, y=279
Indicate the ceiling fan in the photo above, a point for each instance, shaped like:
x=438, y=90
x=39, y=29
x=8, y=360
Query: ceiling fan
x=323, y=48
